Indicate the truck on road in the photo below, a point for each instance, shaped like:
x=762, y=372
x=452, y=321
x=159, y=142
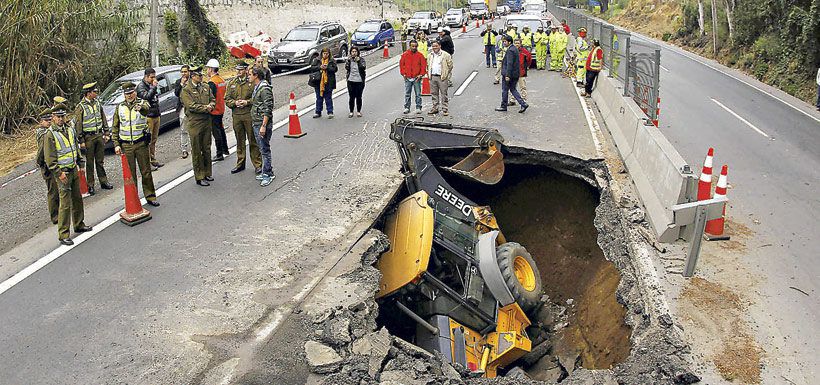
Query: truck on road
x=479, y=9
x=515, y=5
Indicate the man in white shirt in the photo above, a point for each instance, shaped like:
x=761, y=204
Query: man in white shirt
x=440, y=68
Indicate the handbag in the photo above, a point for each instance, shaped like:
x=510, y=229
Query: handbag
x=315, y=78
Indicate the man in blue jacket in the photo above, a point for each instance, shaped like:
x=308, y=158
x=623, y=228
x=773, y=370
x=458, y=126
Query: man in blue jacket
x=510, y=72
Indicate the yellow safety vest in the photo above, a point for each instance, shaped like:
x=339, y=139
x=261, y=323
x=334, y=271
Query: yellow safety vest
x=595, y=64
x=512, y=34
x=132, y=123
x=526, y=39
x=92, y=121
x=489, y=38
x=67, y=151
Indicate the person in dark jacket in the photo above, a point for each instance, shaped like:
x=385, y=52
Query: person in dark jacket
x=510, y=72
x=184, y=139
x=259, y=62
x=323, y=80
x=261, y=114
x=356, y=69
x=446, y=40
x=148, y=90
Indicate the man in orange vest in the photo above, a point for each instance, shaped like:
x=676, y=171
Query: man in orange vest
x=595, y=62
x=218, y=88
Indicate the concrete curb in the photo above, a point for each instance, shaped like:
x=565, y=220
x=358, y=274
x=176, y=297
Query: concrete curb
x=661, y=176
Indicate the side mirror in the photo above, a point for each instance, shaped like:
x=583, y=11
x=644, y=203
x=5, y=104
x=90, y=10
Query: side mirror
x=281, y=39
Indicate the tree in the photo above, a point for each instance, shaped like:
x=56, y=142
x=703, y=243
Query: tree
x=701, y=21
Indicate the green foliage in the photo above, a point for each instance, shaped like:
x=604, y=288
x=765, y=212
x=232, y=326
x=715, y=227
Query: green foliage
x=171, y=26
x=200, y=36
x=52, y=47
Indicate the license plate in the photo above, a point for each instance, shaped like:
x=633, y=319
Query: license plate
x=282, y=60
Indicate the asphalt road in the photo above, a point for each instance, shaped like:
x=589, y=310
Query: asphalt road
x=210, y=277
x=769, y=140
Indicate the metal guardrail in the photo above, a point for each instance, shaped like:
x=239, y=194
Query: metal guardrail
x=635, y=64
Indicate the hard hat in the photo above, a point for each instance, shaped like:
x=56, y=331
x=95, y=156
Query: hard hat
x=440, y=29
x=446, y=28
x=582, y=29
x=213, y=63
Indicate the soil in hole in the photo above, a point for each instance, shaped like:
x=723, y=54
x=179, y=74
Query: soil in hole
x=551, y=214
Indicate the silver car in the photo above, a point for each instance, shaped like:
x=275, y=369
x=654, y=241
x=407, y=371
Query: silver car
x=304, y=43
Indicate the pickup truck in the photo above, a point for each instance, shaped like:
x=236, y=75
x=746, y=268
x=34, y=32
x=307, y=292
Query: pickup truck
x=425, y=20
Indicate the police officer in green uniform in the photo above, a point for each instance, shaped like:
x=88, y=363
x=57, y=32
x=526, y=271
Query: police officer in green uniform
x=53, y=198
x=238, y=99
x=131, y=136
x=199, y=102
x=62, y=157
x=92, y=133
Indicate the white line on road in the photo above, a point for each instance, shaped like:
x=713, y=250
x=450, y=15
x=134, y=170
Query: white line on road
x=25, y=174
x=592, y=123
x=694, y=57
x=466, y=83
x=114, y=218
x=759, y=131
x=664, y=68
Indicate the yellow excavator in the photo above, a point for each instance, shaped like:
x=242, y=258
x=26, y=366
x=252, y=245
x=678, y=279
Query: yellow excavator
x=449, y=267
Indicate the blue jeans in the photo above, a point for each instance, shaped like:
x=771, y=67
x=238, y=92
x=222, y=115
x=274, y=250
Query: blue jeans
x=508, y=87
x=818, y=96
x=411, y=85
x=489, y=52
x=327, y=98
x=264, y=147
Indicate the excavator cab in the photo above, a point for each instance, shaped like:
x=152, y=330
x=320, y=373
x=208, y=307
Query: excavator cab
x=449, y=268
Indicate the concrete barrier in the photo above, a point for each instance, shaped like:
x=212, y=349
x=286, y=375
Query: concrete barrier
x=661, y=176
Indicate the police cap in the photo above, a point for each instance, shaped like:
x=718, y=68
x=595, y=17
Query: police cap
x=59, y=110
x=45, y=114
x=129, y=87
x=241, y=64
x=59, y=99
x=90, y=87
x=195, y=70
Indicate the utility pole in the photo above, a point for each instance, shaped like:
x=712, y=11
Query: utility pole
x=152, y=35
x=714, y=27
x=382, y=1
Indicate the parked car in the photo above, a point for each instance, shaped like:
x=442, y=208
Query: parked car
x=478, y=9
x=425, y=20
x=304, y=43
x=166, y=77
x=373, y=33
x=456, y=17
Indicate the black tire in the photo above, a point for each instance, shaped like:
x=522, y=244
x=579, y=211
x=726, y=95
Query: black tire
x=506, y=255
x=275, y=70
x=342, y=52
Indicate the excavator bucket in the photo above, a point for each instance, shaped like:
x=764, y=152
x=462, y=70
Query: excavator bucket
x=483, y=165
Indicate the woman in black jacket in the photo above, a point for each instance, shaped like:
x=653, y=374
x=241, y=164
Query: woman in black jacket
x=356, y=69
x=323, y=79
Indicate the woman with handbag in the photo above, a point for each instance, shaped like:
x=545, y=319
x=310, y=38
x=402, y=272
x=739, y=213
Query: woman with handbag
x=323, y=80
x=355, y=67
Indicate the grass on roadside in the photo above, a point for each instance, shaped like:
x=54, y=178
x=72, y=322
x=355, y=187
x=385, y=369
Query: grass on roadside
x=16, y=149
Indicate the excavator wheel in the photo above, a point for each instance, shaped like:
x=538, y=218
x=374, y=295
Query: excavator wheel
x=520, y=274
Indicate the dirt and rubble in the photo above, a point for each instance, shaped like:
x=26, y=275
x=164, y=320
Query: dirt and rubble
x=596, y=329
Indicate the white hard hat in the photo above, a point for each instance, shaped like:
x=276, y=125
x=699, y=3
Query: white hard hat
x=440, y=29
x=213, y=63
x=447, y=29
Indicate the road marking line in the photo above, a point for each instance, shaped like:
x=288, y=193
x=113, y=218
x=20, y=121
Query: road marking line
x=466, y=83
x=591, y=122
x=25, y=174
x=114, y=218
x=664, y=68
x=759, y=131
x=694, y=57
x=276, y=318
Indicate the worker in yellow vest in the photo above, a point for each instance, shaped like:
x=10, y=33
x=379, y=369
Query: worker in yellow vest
x=488, y=37
x=556, y=52
x=540, y=39
x=92, y=133
x=526, y=37
x=61, y=152
x=512, y=31
x=131, y=136
x=594, y=64
x=582, y=51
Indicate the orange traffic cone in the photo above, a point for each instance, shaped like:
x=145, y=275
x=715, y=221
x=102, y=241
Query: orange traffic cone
x=476, y=24
x=483, y=20
x=464, y=28
x=83, y=182
x=425, y=86
x=715, y=227
x=386, y=52
x=705, y=182
x=134, y=213
x=294, y=126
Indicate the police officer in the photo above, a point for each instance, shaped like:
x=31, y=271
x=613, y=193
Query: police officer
x=238, y=99
x=92, y=133
x=53, y=198
x=131, y=136
x=62, y=157
x=199, y=102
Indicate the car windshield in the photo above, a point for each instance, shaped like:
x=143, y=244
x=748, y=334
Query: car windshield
x=534, y=7
x=302, y=34
x=454, y=12
x=521, y=23
x=478, y=6
x=369, y=27
x=421, y=15
x=113, y=93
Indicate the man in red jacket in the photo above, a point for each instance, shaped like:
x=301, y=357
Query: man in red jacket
x=565, y=26
x=218, y=88
x=595, y=62
x=413, y=67
x=526, y=60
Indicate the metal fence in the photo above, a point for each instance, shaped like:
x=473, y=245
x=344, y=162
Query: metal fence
x=635, y=64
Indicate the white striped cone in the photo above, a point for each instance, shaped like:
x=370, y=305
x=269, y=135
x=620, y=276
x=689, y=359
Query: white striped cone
x=294, y=126
x=705, y=182
x=715, y=227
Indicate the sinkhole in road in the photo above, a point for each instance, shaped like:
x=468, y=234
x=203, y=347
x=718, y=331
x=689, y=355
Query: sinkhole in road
x=542, y=204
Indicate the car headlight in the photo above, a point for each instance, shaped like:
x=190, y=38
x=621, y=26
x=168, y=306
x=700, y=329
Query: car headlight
x=301, y=53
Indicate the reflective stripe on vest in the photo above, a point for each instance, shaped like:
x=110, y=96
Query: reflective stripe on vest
x=132, y=123
x=526, y=39
x=66, y=149
x=489, y=36
x=596, y=64
x=91, y=117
